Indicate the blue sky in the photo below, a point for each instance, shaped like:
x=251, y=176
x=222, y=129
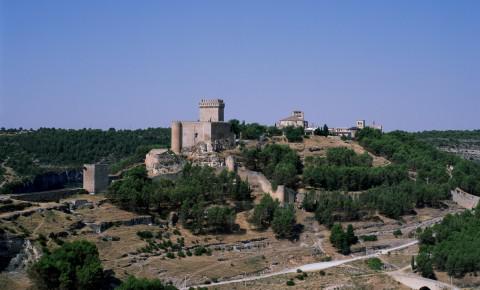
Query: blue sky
x=410, y=65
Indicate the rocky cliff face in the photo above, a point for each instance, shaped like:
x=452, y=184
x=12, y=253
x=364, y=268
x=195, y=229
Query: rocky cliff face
x=10, y=246
x=50, y=181
x=27, y=255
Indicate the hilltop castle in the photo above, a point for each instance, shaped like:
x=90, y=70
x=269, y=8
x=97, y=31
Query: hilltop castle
x=210, y=131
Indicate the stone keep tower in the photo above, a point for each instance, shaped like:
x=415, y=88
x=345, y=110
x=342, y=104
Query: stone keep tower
x=95, y=177
x=211, y=131
x=212, y=110
x=361, y=124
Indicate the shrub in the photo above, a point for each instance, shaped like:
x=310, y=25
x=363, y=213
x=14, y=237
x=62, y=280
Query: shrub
x=375, y=264
x=200, y=250
x=290, y=283
x=145, y=234
x=369, y=238
x=133, y=283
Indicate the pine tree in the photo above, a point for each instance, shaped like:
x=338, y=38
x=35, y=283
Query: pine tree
x=351, y=238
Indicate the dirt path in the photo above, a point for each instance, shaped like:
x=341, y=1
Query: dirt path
x=9, y=174
x=416, y=282
x=312, y=267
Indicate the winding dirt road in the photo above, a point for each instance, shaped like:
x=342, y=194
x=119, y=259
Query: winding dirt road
x=310, y=267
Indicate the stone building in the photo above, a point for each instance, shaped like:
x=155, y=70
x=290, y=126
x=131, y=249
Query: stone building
x=297, y=119
x=351, y=132
x=95, y=177
x=210, y=131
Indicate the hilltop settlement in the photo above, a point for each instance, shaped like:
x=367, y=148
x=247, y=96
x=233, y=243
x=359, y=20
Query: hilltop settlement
x=216, y=204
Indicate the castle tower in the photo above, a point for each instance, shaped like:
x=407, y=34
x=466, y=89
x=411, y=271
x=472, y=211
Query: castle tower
x=95, y=177
x=361, y=124
x=212, y=110
x=176, y=145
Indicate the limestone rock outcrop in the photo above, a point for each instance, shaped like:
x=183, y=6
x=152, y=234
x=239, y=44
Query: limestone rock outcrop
x=162, y=161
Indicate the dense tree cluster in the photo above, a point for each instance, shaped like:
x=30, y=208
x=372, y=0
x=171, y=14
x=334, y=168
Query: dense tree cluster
x=400, y=199
x=294, y=134
x=30, y=153
x=284, y=223
x=199, y=218
x=264, y=211
x=74, y=147
x=330, y=207
x=134, y=192
x=452, y=246
x=268, y=212
x=74, y=265
x=429, y=163
x=450, y=137
x=342, y=240
x=195, y=193
x=352, y=178
x=343, y=169
x=279, y=163
x=253, y=131
x=77, y=265
x=341, y=156
x=323, y=131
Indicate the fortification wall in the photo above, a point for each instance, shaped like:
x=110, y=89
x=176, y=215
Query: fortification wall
x=464, y=199
x=194, y=132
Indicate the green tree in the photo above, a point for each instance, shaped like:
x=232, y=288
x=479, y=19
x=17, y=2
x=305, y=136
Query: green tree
x=263, y=212
x=424, y=265
x=74, y=265
x=351, y=238
x=220, y=219
x=294, y=134
x=284, y=222
x=337, y=235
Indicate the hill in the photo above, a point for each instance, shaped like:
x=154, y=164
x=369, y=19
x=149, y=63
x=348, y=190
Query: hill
x=25, y=155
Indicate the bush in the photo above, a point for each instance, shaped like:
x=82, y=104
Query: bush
x=200, y=250
x=133, y=283
x=290, y=283
x=397, y=233
x=145, y=234
x=375, y=264
x=369, y=238
x=170, y=255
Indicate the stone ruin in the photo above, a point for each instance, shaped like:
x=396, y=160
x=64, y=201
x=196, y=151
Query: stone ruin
x=200, y=155
x=162, y=161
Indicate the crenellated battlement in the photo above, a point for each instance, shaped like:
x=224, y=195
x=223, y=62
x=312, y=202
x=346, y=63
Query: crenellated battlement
x=214, y=103
x=211, y=110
